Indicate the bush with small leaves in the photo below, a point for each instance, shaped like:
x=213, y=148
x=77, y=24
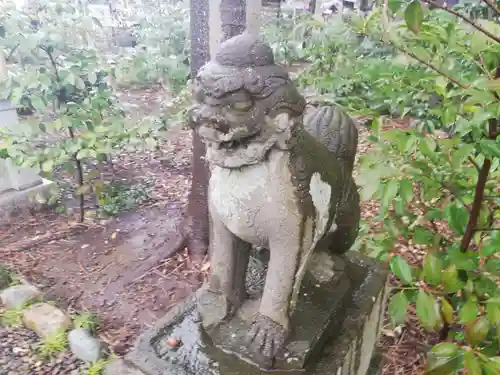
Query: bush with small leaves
x=84, y=122
x=436, y=182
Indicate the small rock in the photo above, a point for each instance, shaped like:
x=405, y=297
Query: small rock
x=45, y=319
x=84, y=346
x=16, y=296
x=119, y=366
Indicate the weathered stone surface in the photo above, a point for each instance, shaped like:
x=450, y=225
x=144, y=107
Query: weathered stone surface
x=46, y=320
x=281, y=177
x=348, y=349
x=16, y=296
x=85, y=346
x=121, y=367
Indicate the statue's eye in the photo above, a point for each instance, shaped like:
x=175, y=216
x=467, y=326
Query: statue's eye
x=242, y=106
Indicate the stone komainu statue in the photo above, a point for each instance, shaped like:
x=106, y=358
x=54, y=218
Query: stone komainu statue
x=281, y=178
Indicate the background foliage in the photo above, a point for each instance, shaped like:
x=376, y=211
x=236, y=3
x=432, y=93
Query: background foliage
x=431, y=72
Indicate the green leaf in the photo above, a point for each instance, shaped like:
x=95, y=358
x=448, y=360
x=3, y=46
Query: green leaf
x=414, y=15
x=406, y=190
x=493, y=266
x=485, y=287
x=489, y=249
x=37, y=103
x=369, y=189
x=79, y=83
x=493, y=312
x=457, y=217
x=491, y=368
x=427, y=147
x=469, y=311
x=86, y=153
x=472, y=364
x=477, y=331
x=394, y=5
x=16, y=95
x=48, y=165
x=460, y=154
x=490, y=148
x=443, y=359
x=92, y=77
x=426, y=310
x=468, y=261
x=445, y=349
x=432, y=269
x=447, y=311
x=423, y=236
x=390, y=192
x=401, y=269
x=398, y=307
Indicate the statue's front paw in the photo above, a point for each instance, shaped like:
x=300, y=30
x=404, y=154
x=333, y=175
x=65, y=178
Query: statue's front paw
x=266, y=337
x=212, y=306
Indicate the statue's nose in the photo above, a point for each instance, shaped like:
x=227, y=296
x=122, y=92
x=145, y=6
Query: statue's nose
x=213, y=118
x=221, y=126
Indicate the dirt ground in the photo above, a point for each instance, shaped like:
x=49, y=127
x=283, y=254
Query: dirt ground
x=117, y=268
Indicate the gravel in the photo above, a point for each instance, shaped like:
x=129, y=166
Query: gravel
x=18, y=356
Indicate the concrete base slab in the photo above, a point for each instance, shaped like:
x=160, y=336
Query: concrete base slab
x=347, y=351
x=17, y=201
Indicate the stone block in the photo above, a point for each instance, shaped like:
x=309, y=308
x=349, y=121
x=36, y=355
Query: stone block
x=19, y=201
x=16, y=296
x=18, y=185
x=346, y=347
x=84, y=346
x=46, y=320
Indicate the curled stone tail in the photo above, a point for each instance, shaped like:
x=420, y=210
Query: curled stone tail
x=336, y=130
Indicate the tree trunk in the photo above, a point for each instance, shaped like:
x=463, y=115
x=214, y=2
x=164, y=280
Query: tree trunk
x=195, y=226
x=233, y=16
x=312, y=6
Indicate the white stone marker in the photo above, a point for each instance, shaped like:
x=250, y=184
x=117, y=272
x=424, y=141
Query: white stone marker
x=17, y=184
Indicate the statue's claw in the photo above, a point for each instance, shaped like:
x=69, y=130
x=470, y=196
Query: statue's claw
x=266, y=337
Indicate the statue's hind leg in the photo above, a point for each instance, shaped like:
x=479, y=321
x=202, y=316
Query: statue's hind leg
x=346, y=226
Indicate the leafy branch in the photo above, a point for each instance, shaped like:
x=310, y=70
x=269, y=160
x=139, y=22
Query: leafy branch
x=79, y=168
x=464, y=18
x=492, y=5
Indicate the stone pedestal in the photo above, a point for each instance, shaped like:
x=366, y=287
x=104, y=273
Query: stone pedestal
x=336, y=327
x=17, y=185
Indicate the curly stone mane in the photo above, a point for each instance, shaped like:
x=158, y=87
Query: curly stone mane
x=247, y=63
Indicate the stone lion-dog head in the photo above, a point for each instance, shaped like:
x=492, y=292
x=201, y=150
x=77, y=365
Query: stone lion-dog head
x=245, y=104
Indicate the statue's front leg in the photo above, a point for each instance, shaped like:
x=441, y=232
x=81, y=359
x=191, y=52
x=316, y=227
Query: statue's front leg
x=225, y=291
x=271, y=326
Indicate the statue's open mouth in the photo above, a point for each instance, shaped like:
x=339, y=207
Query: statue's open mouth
x=234, y=144
x=240, y=142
